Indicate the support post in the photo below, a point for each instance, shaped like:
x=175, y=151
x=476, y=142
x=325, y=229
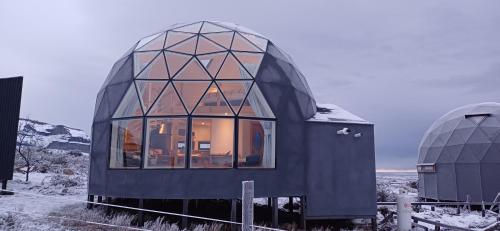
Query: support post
x=233, y=214
x=4, y=187
x=275, y=212
x=374, y=224
x=468, y=202
x=290, y=206
x=303, y=213
x=458, y=209
x=90, y=198
x=433, y=208
x=483, y=209
x=99, y=199
x=437, y=228
x=108, y=208
x=247, y=206
x=185, y=211
x=140, y=213
x=269, y=203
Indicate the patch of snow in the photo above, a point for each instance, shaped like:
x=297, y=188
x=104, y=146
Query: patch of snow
x=333, y=113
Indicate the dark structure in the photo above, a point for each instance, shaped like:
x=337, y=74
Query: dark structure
x=10, y=103
x=460, y=155
x=191, y=112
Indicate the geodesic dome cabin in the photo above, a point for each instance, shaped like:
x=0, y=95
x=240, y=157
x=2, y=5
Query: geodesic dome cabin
x=460, y=155
x=190, y=112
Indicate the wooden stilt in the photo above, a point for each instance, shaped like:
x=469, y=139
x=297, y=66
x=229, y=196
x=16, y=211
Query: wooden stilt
x=275, y=212
x=233, y=214
x=108, y=201
x=303, y=213
x=185, y=211
x=4, y=187
x=269, y=202
x=140, y=213
x=290, y=206
x=90, y=198
x=374, y=224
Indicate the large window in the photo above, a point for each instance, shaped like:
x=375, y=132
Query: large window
x=194, y=89
x=126, y=143
x=256, y=143
x=212, y=143
x=166, y=143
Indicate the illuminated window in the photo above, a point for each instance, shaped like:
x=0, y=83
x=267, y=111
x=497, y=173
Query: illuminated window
x=126, y=143
x=165, y=143
x=256, y=143
x=212, y=143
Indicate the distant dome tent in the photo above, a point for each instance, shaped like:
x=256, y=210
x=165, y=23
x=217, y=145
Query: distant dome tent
x=460, y=155
x=191, y=111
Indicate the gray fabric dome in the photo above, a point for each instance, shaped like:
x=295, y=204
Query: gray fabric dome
x=460, y=155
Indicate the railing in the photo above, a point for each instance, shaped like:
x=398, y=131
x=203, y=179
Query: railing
x=437, y=225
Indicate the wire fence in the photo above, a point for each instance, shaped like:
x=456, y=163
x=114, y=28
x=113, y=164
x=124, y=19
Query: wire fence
x=136, y=209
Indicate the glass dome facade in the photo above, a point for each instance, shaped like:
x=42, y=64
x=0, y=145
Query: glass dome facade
x=195, y=84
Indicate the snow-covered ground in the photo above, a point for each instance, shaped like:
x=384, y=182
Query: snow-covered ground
x=389, y=185
x=28, y=211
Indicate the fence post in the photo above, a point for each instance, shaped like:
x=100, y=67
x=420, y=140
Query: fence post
x=247, y=206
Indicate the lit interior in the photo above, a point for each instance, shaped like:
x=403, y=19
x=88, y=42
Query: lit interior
x=195, y=84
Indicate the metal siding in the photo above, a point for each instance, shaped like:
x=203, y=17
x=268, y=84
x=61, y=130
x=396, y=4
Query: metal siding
x=340, y=171
x=10, y=103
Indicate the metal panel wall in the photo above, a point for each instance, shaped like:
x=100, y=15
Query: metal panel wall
x=10, y=103
x=340, y=171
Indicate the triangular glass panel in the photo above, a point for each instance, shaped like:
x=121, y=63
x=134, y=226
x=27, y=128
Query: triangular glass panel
x=207, y=46
x=187, y=46
x=231, y=69
x=255, y=105
x=175, y=62
x=149, y=91
x=210, y=28
x=155, y=70
x=191, y=28
x=261, y=43
x=142, y=59
x=148, y=39
x=191, y=92
x=168, y=103
x=223, y=38
x=130, y=104
x=174, y=37
x=155, y=44
x=235, y=92
x=242, y=44
x=192, y=71
x=213, y=103
x=251, y=61
x=212, y=62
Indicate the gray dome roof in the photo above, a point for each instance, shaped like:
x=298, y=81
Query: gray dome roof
x=465, y=134
x=460, y=155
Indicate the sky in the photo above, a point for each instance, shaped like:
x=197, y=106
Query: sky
x=398, y=64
